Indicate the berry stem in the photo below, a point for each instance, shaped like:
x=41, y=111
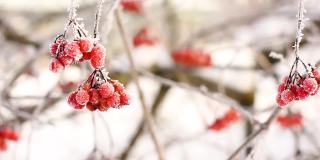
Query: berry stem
x=147, y=115
x=97, y=19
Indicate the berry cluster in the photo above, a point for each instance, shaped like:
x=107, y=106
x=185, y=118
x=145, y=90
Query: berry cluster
x=290, y=120
x=7, y=134
x=134, y=6
x=144, y=37
x=298, y=87
x=192, y=57
x=225, y=121
x=65, y=52
x=99, y=93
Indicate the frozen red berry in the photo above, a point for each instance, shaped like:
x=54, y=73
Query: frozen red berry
x=94, y=96
x=85, y=44
x=281, y=87
x=56, y=66
x=134, y=6
x=280, y=102
x=113, y=100
x=72, y=49
x=106, y=89
x=310, y=85
x=124, y=98
x=287, y=96
x=192, y=57
x=66, y=60
x=301, y=94
x=82, y=97
x=98, y=55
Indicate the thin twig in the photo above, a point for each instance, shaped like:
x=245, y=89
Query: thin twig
x=252, y=136
x=147, y=115
x=97, y=19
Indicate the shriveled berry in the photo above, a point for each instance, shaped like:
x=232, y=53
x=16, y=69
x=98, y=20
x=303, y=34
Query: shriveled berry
x=106, y=89
x=56, y=66
x=82, y=97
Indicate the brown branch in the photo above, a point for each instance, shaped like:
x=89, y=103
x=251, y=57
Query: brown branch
x=264, y=126
x=147, y=115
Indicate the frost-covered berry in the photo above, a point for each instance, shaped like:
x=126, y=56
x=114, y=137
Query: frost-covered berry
x=124, y=98
x=103, y=105
x=86, y=56
x=310, y=85
x=66, y=60
x=56, y=66
x=82, y=97
x=72, y=49
x=281, y=87
x=287, y=96
x=301, y=94
x=98, y=55
x=280, y=102
x=113, y=100
x=94, y=96
x=85, y=44
x=106, y=89
x=72, y=99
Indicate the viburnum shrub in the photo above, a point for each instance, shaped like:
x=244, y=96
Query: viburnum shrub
x=5, y=135
x=298, y=86
x=99, y=92
x=223, y=122
x=290, y=120
x=144, y=37
x=134, y=6
x=191, y=57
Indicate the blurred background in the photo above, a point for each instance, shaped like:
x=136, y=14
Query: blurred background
x=245, y=47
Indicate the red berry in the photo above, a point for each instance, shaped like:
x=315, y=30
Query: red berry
x=301, y=94
x=91, y=107
x=144, y=37
x=288, y=121
x=103, y=105
x=106, y=89
x=56, y=66
x=82, y=97
x=310, y=85
x=280, y=102
x=72, y=49
x=72, y=99
x=134, y=6
x=218, y=125
x=3, y=144
x=94, y=96
x=124, y=98
x=85, y=44
x=86, y=56
x=231, y=115
x=98, y=56
x=192, y=57
x=66, y=60
x=287, y=96
x=281, y=87
x=113, y=100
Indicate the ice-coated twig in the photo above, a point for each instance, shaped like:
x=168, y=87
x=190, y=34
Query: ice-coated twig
x=301, y=20
x=97, y=19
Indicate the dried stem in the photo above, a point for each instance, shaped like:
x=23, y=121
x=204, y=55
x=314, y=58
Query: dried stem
x=147, y=115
